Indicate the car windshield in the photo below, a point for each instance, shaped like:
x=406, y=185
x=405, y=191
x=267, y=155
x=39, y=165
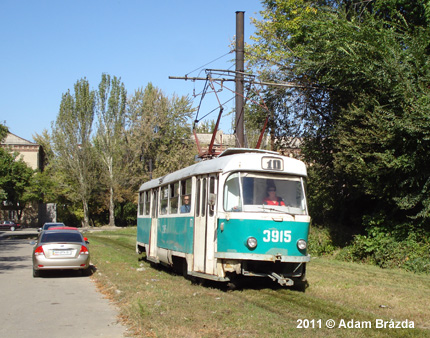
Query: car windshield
x=61, y=236
x=255, y=192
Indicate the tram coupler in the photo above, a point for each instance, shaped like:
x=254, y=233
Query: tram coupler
x=281, y=280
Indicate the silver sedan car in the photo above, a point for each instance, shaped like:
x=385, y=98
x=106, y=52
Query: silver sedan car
x=61, y=250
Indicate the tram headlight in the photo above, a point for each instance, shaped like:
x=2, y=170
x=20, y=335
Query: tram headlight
x=251, y=243
x=301, y=244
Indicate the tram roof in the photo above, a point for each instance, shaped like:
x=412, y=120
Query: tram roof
x=233, y=159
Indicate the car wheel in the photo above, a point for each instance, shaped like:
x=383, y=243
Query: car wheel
x=12, y=228
x=36, y=273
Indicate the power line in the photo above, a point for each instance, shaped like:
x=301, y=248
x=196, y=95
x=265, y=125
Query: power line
x=223, y=104
x=209, y=62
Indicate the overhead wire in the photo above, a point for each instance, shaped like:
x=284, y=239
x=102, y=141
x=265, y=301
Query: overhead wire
x=201, y=99
x=221, y=72
x=225, y=102
x=203, y=92
x=209, y=62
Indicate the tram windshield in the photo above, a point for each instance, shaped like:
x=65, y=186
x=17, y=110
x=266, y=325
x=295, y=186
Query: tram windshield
x=255, y=192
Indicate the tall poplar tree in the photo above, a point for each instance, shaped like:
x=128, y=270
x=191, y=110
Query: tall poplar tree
x=71, y=141
x=111, y=109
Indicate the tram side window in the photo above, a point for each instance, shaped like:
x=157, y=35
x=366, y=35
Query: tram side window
x=185, y=196
x=204, y=197
x=147, y=195
x=211, y=193
x=198, y=198
x=155, y=203
x=141, y=196
x=164, y=200
x=174, y=192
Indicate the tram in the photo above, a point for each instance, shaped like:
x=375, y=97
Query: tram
x=241, y=214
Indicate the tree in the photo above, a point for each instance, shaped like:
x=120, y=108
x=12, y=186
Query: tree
x=110, y=135
x=3, y=132
x=15, y=181
x=361, y=103
x=206, y=127
x=45, y=141
x=71, y=137
x=158, y=134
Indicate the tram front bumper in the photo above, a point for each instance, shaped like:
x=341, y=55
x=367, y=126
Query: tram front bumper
x=260, y=257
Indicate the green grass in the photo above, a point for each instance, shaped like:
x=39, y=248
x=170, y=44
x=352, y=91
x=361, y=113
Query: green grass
x=158, y=303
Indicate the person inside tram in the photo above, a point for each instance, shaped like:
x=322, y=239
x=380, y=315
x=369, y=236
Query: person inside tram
x=185, y=207
x=271, y=197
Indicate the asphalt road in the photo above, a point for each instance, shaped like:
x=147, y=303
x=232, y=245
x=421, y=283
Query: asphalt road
x=60, y=304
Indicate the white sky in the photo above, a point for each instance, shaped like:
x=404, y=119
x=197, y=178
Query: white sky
x=47, y=45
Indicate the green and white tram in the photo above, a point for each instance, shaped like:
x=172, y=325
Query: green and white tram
x=241, y=214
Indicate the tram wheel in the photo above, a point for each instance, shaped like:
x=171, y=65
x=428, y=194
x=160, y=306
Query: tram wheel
x=184, y=268
x=180, y=266
x=300, y=285
x=234, y=284
x=231, y=286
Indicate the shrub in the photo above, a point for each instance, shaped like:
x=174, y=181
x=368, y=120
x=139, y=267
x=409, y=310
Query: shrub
x=386, y=250
x=320, y=242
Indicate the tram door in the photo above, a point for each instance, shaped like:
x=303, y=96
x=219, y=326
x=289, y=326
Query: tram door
x=204, y=227
x=154, y=224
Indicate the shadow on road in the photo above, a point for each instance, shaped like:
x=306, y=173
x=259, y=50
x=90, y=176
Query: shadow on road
x=9, y=260
x=66, y=273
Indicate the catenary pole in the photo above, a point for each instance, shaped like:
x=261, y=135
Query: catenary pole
x=240, y=46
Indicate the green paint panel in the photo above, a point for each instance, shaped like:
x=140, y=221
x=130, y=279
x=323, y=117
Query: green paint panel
x=143, y=230
x=272, y=237
x=176, y=233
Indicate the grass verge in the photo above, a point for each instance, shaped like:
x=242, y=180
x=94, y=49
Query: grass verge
x=157, y=303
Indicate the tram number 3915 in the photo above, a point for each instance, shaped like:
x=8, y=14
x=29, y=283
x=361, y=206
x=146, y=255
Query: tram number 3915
x=277, y=236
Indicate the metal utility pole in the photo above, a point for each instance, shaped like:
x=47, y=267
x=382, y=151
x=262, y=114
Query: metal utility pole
x=240, y=46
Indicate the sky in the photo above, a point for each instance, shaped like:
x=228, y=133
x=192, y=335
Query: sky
x=48, y=45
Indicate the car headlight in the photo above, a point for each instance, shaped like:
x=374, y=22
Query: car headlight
x=301, y=244
x=251, y=242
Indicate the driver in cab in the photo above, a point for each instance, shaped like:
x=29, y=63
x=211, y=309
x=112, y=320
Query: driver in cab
x=271, y=197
